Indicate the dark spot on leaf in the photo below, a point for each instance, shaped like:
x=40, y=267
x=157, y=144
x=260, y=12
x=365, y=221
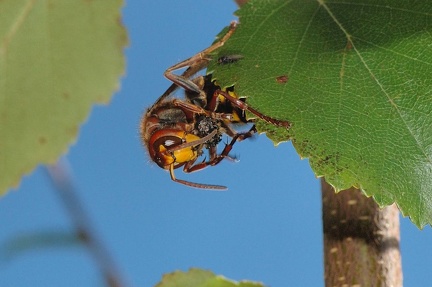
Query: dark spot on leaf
x=42, y=140
x=73, y=130
x=349, y=45
x=282, y=79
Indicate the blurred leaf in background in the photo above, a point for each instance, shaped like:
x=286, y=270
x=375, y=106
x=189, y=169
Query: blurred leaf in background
x=57, y=59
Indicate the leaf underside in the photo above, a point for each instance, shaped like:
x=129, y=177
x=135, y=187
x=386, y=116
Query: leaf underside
x=354, y=79
x=57, y=59
x=195, y=277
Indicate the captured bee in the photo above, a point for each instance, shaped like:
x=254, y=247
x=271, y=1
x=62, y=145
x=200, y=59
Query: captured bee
x=177, y=132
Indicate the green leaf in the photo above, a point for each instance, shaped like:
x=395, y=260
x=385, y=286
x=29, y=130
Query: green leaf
x=355, y=80
x=37, y=240
x=57, y=59
x=201, y=278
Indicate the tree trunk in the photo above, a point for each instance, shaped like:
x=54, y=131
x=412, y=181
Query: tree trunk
x=361, y=241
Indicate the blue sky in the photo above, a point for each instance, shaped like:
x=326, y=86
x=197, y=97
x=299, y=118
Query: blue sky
x=266, y=227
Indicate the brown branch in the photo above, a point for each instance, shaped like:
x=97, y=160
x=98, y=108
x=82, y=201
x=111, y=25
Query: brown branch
x=241, y=2
x=361, y=241
x=64, y=186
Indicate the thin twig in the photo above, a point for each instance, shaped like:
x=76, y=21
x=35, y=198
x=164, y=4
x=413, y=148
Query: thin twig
x=61, y=179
